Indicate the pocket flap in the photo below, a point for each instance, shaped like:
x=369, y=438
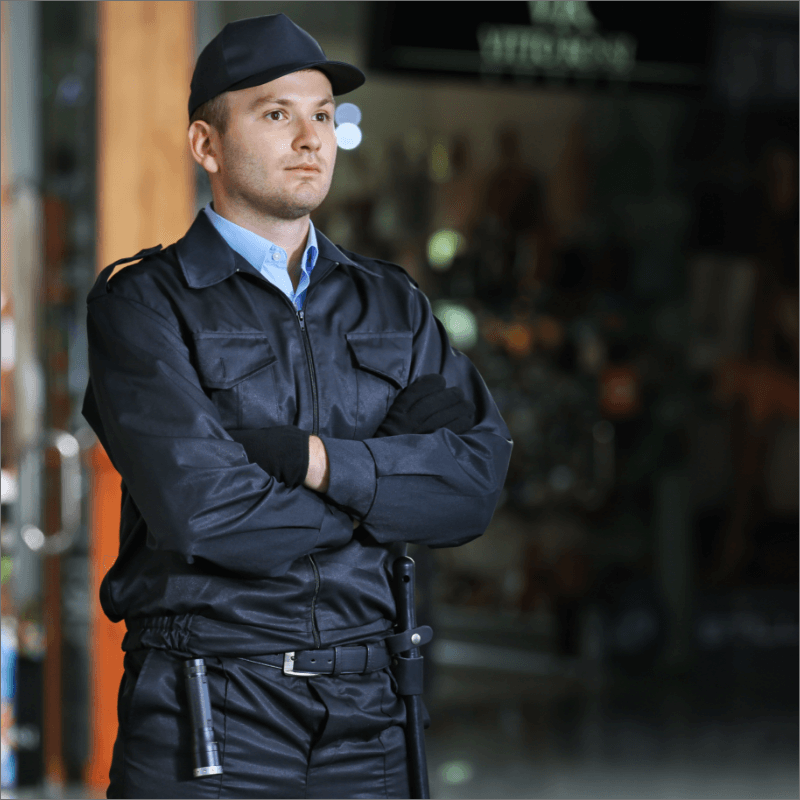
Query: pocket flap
x=224, y=359
x=385, y=353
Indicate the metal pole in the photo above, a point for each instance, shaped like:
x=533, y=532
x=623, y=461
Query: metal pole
x=415, y=733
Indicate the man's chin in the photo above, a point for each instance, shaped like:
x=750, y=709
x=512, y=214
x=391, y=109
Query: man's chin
x=296, y=211
x=286, y=211
x=297, y=207
x=284, y=205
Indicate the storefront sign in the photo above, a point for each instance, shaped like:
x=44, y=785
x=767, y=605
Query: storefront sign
x=563, y=38
x=643, y=44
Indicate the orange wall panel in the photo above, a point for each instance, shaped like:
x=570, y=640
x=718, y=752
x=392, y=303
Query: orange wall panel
x=145, y=196
x=145, y=181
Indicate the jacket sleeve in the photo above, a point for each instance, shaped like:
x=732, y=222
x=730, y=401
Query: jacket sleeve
x=192, y=484
x=440, y=488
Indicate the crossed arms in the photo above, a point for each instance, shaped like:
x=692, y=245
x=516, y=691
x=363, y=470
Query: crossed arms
x=296, y=458
x=202, y=496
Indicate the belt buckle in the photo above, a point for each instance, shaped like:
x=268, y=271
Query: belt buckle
x=288, y=663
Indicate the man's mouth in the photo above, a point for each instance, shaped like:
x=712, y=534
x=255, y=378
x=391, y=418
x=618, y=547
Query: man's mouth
x=306, y=168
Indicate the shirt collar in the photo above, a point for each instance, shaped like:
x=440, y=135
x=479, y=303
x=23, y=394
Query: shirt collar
x=206, y=258
x=259, y=251
x=312, y=249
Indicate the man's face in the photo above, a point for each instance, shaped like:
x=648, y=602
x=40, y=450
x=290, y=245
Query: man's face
x=278, y=151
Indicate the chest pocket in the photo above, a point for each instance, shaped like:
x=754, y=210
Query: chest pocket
x=383, y=364
x=235, y=370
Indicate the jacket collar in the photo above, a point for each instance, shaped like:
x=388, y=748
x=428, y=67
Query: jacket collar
x=206, y=258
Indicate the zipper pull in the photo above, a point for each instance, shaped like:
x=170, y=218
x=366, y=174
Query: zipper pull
x=301, y=317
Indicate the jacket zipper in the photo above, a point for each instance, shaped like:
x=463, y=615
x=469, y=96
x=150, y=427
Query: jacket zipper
x=307, y=344
x=300, y=314
x=315, y=429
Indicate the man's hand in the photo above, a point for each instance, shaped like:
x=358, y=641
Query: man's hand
x=282, y=451
x=425, y=406
x=286, y=453
x=318, y=474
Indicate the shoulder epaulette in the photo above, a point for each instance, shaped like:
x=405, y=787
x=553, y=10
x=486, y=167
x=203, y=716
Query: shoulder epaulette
x=102, y=279
x=141, y=254
x=398, y=267
x=379, y=261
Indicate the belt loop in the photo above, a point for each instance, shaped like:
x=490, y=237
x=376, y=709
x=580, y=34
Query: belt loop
x=371, y=651
x=337, y=661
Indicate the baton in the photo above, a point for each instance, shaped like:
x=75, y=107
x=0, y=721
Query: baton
x=415, y=734
x=205, y=755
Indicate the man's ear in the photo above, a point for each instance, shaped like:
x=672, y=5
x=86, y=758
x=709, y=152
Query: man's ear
x=203, y=145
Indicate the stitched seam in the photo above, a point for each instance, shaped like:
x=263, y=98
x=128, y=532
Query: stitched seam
x=229, y=334
x=358, y=335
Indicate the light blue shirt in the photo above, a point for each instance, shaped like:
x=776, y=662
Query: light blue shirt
x=269, y=259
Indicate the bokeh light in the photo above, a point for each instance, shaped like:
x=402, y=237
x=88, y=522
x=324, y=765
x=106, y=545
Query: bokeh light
x=347, y=112
x=459, y=322
x=348, y=136
x=456, y=772
x=439, y=161
x=443, y=247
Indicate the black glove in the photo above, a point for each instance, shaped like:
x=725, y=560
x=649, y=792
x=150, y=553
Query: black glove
x=281, y=451
x=425, y=406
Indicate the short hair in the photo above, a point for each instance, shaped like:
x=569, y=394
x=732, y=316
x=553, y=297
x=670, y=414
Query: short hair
x=214, y=112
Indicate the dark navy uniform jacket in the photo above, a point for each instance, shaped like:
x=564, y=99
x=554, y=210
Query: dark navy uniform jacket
x=216, y=556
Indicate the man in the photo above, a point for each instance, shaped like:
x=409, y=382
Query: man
x=283, y=414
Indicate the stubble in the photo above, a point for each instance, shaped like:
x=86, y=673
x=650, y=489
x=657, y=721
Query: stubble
x=249, y=186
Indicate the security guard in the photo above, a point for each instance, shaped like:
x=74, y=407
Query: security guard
x=283, y=413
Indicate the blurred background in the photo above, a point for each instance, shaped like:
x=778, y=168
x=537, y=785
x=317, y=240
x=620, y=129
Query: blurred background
x=600, y=201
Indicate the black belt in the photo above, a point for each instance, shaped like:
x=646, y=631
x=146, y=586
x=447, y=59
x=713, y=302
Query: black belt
x=343, y=660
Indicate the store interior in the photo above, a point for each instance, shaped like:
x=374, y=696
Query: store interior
x=618, y=256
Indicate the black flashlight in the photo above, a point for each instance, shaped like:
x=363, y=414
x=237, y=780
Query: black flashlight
x=206, y=754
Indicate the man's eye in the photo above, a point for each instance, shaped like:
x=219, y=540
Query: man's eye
x=271, y=114
x=325, y=116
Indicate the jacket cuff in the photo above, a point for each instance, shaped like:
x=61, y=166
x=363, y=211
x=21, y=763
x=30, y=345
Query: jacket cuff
x=352, y=477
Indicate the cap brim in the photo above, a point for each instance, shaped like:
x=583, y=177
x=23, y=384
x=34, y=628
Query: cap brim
x=343, y=77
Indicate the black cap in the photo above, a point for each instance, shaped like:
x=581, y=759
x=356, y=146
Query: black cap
x=257, y=50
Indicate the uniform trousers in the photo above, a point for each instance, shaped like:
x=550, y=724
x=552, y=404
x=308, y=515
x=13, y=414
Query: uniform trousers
x=278, y=735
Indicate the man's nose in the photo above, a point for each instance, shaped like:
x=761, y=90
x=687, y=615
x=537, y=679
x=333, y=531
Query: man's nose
x=306, y=136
